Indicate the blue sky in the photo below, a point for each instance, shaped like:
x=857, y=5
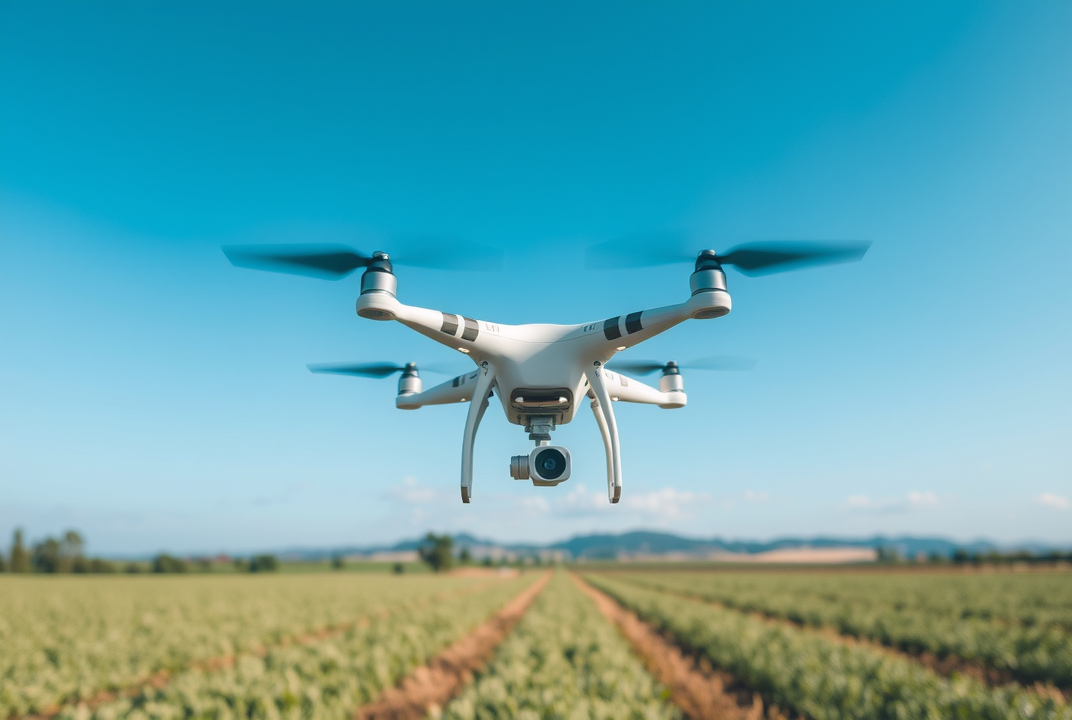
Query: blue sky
x=154, y=397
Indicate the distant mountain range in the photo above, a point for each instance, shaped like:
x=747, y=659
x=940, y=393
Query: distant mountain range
x=649, y=543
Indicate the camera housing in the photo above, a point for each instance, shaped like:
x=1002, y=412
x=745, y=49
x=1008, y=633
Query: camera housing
x=546, y=466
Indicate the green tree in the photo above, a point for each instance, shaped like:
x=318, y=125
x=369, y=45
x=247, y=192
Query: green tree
x=337, y=562
x=464, y=557
x=398, y=568
x=46, y=556
x=435, y=550
x=96, y=565
x=263, y=563
x=3, y=564
x=72, y=548
x=164, y=563
x=20, y=559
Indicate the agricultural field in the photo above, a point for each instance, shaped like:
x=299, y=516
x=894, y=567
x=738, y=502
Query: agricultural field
x=1017, y=624
x=70, y=638
x=563, y=660
x=814, y=674
x=815, y=645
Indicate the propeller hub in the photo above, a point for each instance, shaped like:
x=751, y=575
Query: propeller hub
x=707, y=260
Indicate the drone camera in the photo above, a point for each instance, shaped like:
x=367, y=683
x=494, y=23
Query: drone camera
x=546, y=466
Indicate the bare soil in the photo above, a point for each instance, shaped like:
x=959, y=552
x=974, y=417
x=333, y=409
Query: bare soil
x=160, y=679
x=701, y=692
x=431, y=686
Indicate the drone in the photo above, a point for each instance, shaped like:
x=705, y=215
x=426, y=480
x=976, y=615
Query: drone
x=541, y=373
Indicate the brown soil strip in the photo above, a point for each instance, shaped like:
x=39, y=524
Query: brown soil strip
x=701, y=692
x=945, y=666
x=431, y=686
x=161, y=678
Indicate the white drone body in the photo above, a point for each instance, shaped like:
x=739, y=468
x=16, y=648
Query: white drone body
x=540, y=372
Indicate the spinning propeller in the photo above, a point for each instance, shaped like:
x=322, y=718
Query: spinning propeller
x=714, y=362
x=374, y=370
x=334, y=262
x=755, y=258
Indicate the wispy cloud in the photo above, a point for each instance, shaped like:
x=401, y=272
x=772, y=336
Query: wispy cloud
x=913, y=501
x=1051, y=500
x=412, y=493
x=662, y=504
x=667, y=503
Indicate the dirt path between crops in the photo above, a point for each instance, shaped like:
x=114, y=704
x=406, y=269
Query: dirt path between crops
x=701, y=692
x=428, y=688
x=947, y=666
x=160, y=679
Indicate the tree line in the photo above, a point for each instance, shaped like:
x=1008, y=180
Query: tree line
x=962, y=556
x=66, y=554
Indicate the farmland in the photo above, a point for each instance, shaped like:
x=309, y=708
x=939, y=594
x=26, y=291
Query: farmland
x=1021, y=625
x=71, y=638
x=563, y=658
x=816, y=644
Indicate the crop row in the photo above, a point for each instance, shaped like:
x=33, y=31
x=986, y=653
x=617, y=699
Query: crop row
x=1027, y=599
x=563, y=660
x=330, y=678
x=915, y=624
x=71, y=638
x=817, y=676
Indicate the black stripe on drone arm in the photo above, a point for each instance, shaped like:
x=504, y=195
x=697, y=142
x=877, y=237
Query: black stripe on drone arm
x=632, y=323
x=611, y=329
x=450, y=324
x=471, y=329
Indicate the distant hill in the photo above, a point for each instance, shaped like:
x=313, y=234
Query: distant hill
x=652, y=543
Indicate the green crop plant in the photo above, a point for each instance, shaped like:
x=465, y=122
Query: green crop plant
x=563, y=660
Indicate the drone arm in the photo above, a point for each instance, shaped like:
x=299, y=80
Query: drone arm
x=455, y=331
x=460, y=389
x=608, y=428
x=627, y=389
x=628, y=330
x=484, y=382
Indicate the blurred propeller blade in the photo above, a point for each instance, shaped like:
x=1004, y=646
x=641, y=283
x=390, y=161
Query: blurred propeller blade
x=445, y=252
x=334, y=262
x=731, y=363
x=764, y=258
x=330, y=262
x=639, y=250
x=372, y=370
x=756, y=258
x=378, y=370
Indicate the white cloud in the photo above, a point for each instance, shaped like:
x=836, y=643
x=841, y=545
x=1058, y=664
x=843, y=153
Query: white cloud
x=667, y=503
x=534, y=505
x=1051, y=500
x=756, y=497
x=412, y=493
x=914, y=500
x=663, y=504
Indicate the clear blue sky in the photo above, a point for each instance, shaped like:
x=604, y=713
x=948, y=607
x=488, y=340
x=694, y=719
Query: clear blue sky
x=154, y=397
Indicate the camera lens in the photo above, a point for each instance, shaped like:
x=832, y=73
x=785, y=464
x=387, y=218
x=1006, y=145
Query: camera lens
x=551, y=463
